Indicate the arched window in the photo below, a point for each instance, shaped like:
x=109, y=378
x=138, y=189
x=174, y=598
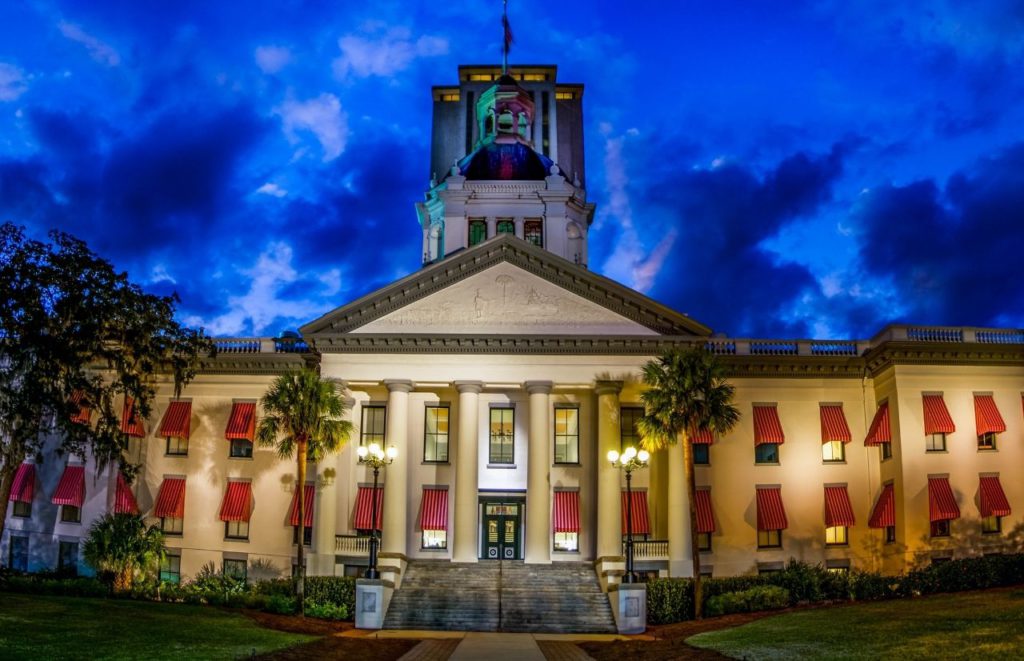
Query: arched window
x=533, y=231
x=506, y=226
x=477, y=231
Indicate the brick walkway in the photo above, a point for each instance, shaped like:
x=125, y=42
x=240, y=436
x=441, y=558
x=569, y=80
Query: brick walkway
x=432, y=650
x=562, y=651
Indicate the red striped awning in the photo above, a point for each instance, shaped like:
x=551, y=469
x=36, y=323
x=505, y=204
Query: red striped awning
x=567, y=511
x=771, y=515
x=124, y=499
x=767, y=427
x=993, y=499
x=941, y=501
x=833, y=424
x=177, y=422
x=434, y=510
x=242, y=422
x=987, y=416
x=879, y=432
x=705, y=516
x=237, y=505
x=130, y=422
x=838, y=510
x=309, y=494
x=82, y=416
x=71, y=488
x=170, y=501
x=884, y=513
x=641, y=518
x=24, y=484
x=936, y=416
x=364, y=508
x=702, y=437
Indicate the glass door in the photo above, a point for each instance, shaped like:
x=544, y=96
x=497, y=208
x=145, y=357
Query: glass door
x=501, y=539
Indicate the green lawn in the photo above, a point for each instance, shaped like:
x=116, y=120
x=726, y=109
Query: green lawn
x=37, y=627
x=977, y=624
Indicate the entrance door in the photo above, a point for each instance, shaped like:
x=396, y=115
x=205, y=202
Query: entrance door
x=502, y=538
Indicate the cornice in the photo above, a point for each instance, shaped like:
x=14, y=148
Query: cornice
x=254, y=364
x=939, y=353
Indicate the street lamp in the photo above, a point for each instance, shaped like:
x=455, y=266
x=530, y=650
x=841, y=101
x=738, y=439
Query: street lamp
x=629, y=461
x=375, y=457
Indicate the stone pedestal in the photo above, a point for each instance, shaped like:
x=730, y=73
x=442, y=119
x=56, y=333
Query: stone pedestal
x=629, y=605
x=369, y=603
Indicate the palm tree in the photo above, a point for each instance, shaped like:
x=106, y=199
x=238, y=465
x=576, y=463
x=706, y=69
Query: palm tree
x=686, y=392
x=302, y=414
x=123, y=545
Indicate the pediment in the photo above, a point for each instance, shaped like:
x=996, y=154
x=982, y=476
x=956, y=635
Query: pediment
x=505, y=286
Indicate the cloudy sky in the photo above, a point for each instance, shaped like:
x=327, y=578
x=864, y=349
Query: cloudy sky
x=813, y=171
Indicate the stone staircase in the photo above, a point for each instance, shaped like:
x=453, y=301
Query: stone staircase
x=504, y=595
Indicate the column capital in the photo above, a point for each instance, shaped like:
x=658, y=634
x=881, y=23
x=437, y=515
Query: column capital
x=538, y=387
x=469, y=386
x=398, y=385
x=608, y=387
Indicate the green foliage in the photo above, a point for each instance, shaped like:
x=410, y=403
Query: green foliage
x=670, y=600
x=50, y=584
x=123, y=546
x=302, y=407
x=281, y=604
x=761, y=598
x=336, y=590
x=326, y=611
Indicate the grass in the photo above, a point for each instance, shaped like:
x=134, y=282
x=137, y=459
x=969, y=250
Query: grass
x=43, y=627
x=971, y=625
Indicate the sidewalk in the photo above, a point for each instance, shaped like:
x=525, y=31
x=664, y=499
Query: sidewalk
x=468, y=646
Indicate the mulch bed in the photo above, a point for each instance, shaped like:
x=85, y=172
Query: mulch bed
x=342, y=647
x=295, y=624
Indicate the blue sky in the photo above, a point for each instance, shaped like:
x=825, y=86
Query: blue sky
x=815, y=170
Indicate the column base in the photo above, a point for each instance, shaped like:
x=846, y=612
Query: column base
x=372, y=600
x=629, y=606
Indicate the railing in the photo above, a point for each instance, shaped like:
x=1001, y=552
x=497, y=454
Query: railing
x=254, y=345
x=648, y=549
x=352, y=545
x=949, y=335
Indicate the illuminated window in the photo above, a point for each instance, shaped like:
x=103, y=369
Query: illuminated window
x=435, y=539
x=21, y=509
x=236, y=529
x=171, y=526
x=177, y=447
x=241, y=448
x=502, y=436
x=567, y=541
x=533, y=77
x=992, y=525
x=70, y=514
x=477, y=231
x=833, y=451
x=629, y=416
x=170, y=568
x=236, y=569
x=373, y=426
x=836, y=536
x=890, y=534
x=987, y=441
x=886, y=450
x=940, y=528
x=704, y=542
x=449, y=97
x=935, y=443
x=564, y=96
x=479, y=77
x=506, y=226
x=769, y=539
x=567, y=436
x=435, y=434
x=766, y=453
x=533, y=231
x=837, y=566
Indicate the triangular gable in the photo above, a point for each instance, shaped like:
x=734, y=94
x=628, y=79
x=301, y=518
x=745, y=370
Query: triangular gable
x=505, y=286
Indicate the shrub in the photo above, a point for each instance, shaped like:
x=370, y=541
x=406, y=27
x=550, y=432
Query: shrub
x=801, y=580
x=48, y=584
x=764, y=597
x=277, y=586
x=670, y=600
x=325, y=611
x=336, y=590
x=281, y=605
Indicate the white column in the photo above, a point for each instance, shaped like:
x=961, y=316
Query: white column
x=326, y=517
x=519, y=226
x=678, y=510
x=553, y=124
x=396, y=486
x=609, y=500
x=492, y=226
x=465, y=546
x=538, y=477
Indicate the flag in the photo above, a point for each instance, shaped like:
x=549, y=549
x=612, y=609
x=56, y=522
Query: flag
x=508, y=32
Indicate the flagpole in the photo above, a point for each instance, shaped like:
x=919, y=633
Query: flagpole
x=504, y=40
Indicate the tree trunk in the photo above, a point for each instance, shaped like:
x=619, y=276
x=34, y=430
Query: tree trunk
x=123, y=580
x=691, y=487
x=300, y=583
x=7, y=473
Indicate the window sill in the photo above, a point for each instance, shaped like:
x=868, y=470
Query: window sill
x=767, y=463
x=988, y=449
x=246, y=458
x=567, y=464
x=769, y=548
x=502, y=466
x=566, y=553
x=434, y=549
x=837, y=546
x=936, y=451
x=705, y=551
x=240, y=540
x=435, y=463
x=171, y=534
x=833, y=462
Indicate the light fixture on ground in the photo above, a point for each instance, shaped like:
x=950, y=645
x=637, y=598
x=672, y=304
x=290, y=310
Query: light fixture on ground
x=629, y=461
x=375, y=457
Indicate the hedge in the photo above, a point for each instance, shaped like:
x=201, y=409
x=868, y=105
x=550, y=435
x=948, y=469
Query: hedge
x=671, y=599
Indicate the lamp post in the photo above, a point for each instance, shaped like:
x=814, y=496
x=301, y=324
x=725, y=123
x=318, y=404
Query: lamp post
x=629, y=461
x=375, y=457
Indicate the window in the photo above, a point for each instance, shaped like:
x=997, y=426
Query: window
x=833, y=451
x=435, y=539
x=940, y=528
x=890, y=534
x=70, y=514
x=564, y=96
x=939, y=559
x=533, y=231
x=567, y=436
x=236, y=529
x=987, y=441
x=235, y=569
x=628, y=418
x=704, y=542
x=449, y=97
x=22, y=509
x=435, y=434
x=506, y=226
x=374, y=425
x=766, y=453
x=837, y=536
x=701, y=454
x=67, y=557
x=171, y=526
x=502, y=436
x=837, y=566
x=567, y=542
x=992, y=525
x=18, y=553
x=706, y=572
x=241, y=448
x=769, y=539
x=935, y=443
x=477, y=231
x=170, y=568
x=886, y=450
x=307, y=535
x=770, y=568
x=178, y=447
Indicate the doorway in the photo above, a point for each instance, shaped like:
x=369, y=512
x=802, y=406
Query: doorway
x=502, y=537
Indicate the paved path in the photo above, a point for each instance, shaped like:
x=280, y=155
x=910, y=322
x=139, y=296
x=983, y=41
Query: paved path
x=491, y=646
